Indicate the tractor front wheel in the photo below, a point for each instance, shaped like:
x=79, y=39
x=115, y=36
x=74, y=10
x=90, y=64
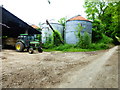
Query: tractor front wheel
x=31, y=51
x=40, y=50
x=19, y=46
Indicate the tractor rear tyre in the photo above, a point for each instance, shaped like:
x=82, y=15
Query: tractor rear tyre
x=19, y=46
x=31, y=51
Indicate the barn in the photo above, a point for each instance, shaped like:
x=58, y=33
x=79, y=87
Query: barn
x=12, y=26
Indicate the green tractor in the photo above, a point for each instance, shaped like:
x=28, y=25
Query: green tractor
x=28, y=42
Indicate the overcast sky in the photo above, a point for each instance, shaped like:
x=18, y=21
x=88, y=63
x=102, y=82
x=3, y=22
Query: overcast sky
x=35, y=11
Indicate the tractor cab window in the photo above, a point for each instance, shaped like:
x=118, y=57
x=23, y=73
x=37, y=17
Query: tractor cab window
x=31, y=38
x=20, y=37
x=25, y=37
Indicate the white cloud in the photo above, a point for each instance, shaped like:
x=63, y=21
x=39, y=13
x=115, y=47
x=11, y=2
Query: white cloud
x=35, y=11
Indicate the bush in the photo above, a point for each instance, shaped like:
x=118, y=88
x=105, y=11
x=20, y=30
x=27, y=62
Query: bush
x=98, y=46
x=54, y=40
x=64, y=47
x=84, y=41
x=105, y=39
x=74, y=48
x=57, y=38
x=48, y=46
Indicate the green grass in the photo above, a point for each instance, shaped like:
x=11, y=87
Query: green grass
x=74, y=48
x=70, y=50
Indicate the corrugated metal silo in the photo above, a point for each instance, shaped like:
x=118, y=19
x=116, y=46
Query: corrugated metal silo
x=58, y=27
x=71, y=24
x=47, y=32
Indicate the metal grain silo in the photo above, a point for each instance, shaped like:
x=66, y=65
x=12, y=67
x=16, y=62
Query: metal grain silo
x=57, y=26
x=47, y=32
x=71, y=24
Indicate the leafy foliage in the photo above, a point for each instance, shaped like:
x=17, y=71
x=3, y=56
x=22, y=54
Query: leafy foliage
x=98, y=46
x=105, y=39
x=73, y=48
x=57, y=38
x=86, y=40
x=79, y=28
x=97, y=30
x=105, y=17
x=83, y=40
x=62, y=21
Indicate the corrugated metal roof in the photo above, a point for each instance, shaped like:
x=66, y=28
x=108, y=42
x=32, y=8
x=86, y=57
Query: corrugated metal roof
x=13, y=26
x=78, y=17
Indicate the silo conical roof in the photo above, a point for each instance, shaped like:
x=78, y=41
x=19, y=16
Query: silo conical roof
x=78, y=17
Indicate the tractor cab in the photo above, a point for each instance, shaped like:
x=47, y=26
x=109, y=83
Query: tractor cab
x=29, y=42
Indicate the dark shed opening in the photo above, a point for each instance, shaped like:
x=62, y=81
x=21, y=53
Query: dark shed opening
x=12, y=26
x=15, y=26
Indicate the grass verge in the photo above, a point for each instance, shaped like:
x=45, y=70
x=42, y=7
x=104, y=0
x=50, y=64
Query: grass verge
x=74, y=48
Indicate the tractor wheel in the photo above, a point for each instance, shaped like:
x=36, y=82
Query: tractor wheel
x=40, y=50
x=19, y=46
x=31, y=51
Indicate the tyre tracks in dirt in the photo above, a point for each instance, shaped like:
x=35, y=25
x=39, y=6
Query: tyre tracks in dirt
x=85, y=77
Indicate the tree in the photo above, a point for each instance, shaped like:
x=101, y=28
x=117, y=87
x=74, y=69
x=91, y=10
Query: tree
x=62, y=21
x=111, y=20
x=105, y=17
x=95, y=9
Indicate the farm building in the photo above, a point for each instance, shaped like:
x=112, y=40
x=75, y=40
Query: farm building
x=47, y=31
x=12, y=26
x=71, y=24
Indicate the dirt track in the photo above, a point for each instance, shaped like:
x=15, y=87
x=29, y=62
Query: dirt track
x=97, y=69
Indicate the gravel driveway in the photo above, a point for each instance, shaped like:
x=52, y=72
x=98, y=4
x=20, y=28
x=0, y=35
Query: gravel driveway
x=96, y=69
